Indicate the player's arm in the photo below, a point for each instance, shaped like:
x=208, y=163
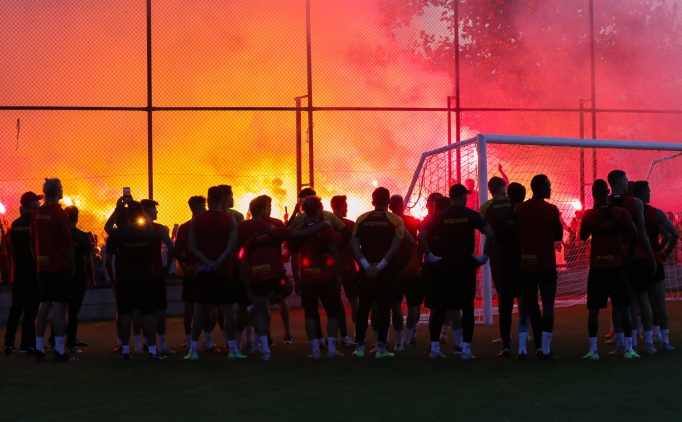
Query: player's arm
x=310, y=230
x=487, y=231
x=231, y=244
x=295, y=267
x=585, y=230
x=108, y=260
x=425, y=248
x=334, y=251
x=89, y=267
x=195, y=249
x=410, y=247
x=165, y=238
x=180, y=251
x=559, y=227
x=641, y=233
x=632, y=231
x=7, y=243
x=668, y=226
x=503, y=174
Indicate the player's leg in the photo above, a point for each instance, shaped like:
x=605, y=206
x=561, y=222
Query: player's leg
x=160, y=315
x=447, y=323
x=436, y=319
x=414, y=300
x=523, y=324
x=350, y=289
x=309, y=302
x=505, y=303
x=330, y=297
x=75, y=303
x=124, y=322
x=383, y=322
x=260, y=324
x=15, y=311
x=658, y=293
x=467, y=295
x=137, y=334
x=28, y=325
x=285, y=314
x=365, y=301
x=548, y=295
x=597, y=298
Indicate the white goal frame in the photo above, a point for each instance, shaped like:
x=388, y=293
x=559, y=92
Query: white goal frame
x=482, y=140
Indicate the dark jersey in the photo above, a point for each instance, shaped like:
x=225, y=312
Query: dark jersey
x=507, y=236
x=82, y=248
x=413, y=266
x=190, y=262
x=607, y=227
x=628, y=202
x=493, y=207
x=19, y=237
x=376, y=231
x=212, y=230
x=653, y=232
x=538, y=222
x=347, y=266
x=133, y=251
x=455, y=228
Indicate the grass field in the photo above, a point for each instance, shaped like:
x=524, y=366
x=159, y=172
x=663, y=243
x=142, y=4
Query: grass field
x=291, y=387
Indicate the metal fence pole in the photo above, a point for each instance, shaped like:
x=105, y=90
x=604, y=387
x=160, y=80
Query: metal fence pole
x=150, y=157
x=311, y=177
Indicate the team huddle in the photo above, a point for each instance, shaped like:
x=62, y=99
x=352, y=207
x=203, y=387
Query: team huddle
x=234, y=270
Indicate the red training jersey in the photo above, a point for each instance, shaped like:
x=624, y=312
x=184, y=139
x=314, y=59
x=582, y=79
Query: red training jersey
x=606, y=225
x=260, y=243
x=212, y=230
x=413, y=267
x=317, y=262
x=538, y=221
x=628, y=202
x=51, y=237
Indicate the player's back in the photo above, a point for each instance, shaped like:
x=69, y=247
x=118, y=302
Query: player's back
x=538, y=222
x=23, y=265
x=317, y=261
x=629, y=203
x=456, y=228
x=507, y=237
x=607, y=227
x=212, y=231
x=133, y=249
x=376, y=231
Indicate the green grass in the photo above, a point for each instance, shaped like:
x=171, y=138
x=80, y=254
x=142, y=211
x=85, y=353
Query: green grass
x=291, y=387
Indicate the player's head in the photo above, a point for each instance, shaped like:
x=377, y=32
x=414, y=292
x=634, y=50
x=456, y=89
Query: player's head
x=149, y=207
x=618, y=181
x=258, y=207
x=397, y=205
x=339, y=205
x=430, y=200
x=600, y=190
x=516, y=193
x=381, y=197
x=459, y=194
x=497, y=186
x=470, y=184
x=135, y=213
x=52, y=188
x=73, y=214
x=197, y=204
x=441, y=204
x=541, y=186
x=228, y=198
x=641, y=190
x=312, y=207
x=305, y=193
x=30, y=202
x=670, y=215
x=215, y=197
x=268, y=207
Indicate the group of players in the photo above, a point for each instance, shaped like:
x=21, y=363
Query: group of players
x=233, y=269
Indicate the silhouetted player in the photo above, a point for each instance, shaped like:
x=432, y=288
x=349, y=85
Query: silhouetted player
x=452, y=235
x=539, y=227
x=611, y=229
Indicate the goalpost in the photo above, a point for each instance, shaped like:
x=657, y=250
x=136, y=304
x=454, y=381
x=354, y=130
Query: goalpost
x=571, y=164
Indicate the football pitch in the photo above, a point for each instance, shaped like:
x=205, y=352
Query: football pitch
x=100, y=387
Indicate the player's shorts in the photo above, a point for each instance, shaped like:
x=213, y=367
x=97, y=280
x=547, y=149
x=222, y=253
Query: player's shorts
x=607, y=283
x=188, y=289
x=326, y=292
x=351, y=287
x=242, y=296
x=55, y=286
x=638, y=275
x=160, y=294
x=660, y=274
x=135, y=293
x=452, y=288
x=385, y=287
x=267, y=287
x=529, y=282
x=212, y=288
x=412, y=287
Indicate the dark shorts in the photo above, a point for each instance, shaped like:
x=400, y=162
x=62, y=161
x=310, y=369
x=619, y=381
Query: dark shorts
x=452, y=288
x=530, y=282
x=135, y=292
x=160, y=294
x=412, y=287
x=267, y=287
x=607, y=283
x=240, y=292
x=351, y=287
x=212, y=288
x=188, y=289
x=55, y=286
x=384, y=287
x=638, y=275
x=660, y=274
x=326, y=292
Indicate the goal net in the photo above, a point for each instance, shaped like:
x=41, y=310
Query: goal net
x=571, y=165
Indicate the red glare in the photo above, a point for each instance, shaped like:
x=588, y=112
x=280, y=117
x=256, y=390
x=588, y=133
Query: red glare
x=241, y=253
x=305, y=262
x=330, y=262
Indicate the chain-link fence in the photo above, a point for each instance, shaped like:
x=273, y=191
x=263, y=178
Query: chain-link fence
x=170, y=97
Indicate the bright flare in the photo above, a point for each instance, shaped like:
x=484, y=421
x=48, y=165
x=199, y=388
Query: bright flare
x=577, y=205
x=2, y=209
